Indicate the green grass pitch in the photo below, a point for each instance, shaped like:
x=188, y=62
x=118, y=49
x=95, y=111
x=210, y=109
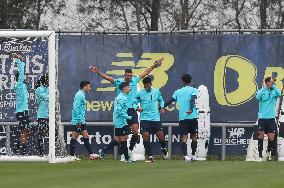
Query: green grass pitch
x=161, y=174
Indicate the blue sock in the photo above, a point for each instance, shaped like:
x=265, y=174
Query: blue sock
x=72, y=146
x=147, y=148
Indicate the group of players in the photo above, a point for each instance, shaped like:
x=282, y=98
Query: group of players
x=148, y=102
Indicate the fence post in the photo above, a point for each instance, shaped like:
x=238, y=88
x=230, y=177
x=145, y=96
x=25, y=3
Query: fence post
x=170, y=140
x=115, y=149
x=223, y=157
x=8, y=135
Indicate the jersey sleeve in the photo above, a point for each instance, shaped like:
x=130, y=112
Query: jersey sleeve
x=115, y=83
x=121, y=104
x=259, y=94
x=136, y=79
x=175, y=95
x=160, y=99
x=21, y=69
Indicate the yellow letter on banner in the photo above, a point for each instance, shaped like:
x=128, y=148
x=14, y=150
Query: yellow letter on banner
x=246, y=80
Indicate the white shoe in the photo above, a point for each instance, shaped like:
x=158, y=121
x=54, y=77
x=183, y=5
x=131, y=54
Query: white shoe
x=259, y=159
x=269, y=156
x=130, y=153
x=93, y=156
x=122, y=158
x=150, y=159
x=193, y=158
x=187, y=159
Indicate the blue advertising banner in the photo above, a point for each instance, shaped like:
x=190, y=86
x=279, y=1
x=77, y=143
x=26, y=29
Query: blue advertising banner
x=231, y=66
x=35, y=56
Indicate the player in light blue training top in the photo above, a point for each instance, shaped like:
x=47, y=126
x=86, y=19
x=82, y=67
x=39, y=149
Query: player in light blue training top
x=120, y=118
x=188, y=115
x=133, y=81
x=151, y=103
x=267, y=97
x=79, y=120
x=22, y=107
x=42, y=98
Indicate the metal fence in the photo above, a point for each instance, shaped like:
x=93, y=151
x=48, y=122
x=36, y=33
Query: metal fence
x=168, y=125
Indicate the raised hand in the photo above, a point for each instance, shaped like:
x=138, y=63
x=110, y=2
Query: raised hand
x=158, y=62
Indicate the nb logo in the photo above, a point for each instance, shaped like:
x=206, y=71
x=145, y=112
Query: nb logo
x=159, y=74
x=236, y=132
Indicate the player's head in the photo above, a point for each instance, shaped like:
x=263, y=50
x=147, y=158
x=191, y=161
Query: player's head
x=44, y=80
x=128, y=74
x=85, y=86
x=124, y=87
x=186, y=78
x=147, y=82
x=269, y=81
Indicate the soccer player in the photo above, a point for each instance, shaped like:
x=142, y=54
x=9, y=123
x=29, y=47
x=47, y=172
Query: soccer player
x=188, y=115
x=22, y=107
x=151, y=103
x=267, y=97
x=79, y=120
x=42, y=98
x=120, y=118
x=133, y=81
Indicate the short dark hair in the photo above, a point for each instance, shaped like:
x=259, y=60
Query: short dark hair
x=128, y=71
x=186, y=78
x=147, y=80
x=269, y=79
x=122, y=85
x=83, y=84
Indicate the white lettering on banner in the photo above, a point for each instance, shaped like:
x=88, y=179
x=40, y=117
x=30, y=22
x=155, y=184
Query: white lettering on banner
x=99, y=139
x=106, y=139
x=235, y=135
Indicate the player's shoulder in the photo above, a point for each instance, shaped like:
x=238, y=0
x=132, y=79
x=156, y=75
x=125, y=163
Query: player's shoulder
x=155, y=89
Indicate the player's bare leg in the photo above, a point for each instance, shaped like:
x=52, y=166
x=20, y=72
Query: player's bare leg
x=24, y=137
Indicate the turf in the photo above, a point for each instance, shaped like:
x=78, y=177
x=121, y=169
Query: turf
x=161, y=174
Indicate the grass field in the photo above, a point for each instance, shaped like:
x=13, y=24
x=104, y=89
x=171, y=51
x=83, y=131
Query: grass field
x=161, y=174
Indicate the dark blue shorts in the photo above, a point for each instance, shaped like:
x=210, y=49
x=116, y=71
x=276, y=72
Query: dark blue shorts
x=267, y=125
x=79, y=127
x=188, y=126
x=150, y=126
x=134, y=120
x=24, y=120
x=122, y=131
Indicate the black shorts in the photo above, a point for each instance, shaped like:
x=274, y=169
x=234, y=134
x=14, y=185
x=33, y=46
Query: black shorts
x=134, y=120
x=24, y=119
x=122, y=131
x=79, y=127
x=267, y=125
x=42, y=122
x=150, y=126
x=188, y=126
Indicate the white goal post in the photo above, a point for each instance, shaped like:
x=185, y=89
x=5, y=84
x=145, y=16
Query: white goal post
x=51, y=37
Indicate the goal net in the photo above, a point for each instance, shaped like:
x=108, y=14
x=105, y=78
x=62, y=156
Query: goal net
x=30, y=127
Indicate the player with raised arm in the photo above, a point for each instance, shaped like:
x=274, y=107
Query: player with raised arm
x=42, y=99
x=22, y=107
x=188, y=115
x=120, y=118
x=151, y=104
x=267, y=97
x=79, y=120
x=133, y=81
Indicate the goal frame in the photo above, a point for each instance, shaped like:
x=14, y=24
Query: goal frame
x=51, y=36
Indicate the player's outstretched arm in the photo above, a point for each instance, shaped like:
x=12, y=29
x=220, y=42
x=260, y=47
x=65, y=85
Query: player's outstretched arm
x=148, y=70
x=21, y=67
x=278, y=92
x=102, y=75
